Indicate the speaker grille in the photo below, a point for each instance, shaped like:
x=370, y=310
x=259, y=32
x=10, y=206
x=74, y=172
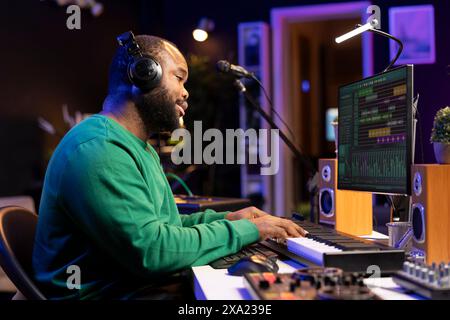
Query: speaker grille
x=418, y=222
x=327, y=202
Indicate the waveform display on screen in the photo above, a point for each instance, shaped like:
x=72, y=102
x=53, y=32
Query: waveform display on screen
x=375, y=124
x=381, y=166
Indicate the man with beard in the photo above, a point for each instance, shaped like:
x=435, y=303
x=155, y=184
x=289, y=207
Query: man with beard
x=108, y=223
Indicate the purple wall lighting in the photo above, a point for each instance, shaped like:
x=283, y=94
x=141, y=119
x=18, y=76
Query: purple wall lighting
x=414, y=25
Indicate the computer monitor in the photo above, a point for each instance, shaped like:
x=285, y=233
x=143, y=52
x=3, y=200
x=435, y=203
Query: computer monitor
x=375, y=133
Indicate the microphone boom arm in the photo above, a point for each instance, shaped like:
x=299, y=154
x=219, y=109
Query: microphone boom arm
x=303, y=158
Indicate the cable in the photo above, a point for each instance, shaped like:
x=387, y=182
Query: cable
x=172, y=175
x=180, y=181
x=375, y=221
x=415, y=105
x=389, y=198
x=387, y=35
x=419, y=121
x=271, y=105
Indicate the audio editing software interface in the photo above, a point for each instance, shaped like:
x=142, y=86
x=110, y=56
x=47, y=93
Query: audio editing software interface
x=375, y=129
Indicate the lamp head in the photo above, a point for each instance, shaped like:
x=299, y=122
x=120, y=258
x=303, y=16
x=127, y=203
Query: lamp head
x=360, y=29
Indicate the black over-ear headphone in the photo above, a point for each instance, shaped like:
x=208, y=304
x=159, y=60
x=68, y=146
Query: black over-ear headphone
x=143, y=70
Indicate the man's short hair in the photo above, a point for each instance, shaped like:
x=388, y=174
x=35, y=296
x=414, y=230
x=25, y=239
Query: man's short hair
x=118, y=77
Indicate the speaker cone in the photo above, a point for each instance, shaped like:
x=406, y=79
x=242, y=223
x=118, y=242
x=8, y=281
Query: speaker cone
x=418, y=223
x=326, y=202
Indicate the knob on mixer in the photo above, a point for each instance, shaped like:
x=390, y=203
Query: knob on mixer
x=431, y=281
x=309, y=284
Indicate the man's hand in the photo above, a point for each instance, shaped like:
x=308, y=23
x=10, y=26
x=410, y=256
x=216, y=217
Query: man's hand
x=246, y=213
x=268, y=225
x=275, y=227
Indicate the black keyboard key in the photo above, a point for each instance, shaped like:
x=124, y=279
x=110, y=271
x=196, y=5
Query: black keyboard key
x=357, y=246
x=228, y=261
x=230, y=258
x=329, y=237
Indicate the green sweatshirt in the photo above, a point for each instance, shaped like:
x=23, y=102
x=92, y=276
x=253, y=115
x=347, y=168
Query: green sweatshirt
x=108, y=210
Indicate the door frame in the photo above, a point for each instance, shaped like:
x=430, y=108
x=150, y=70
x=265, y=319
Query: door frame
x=282, y=20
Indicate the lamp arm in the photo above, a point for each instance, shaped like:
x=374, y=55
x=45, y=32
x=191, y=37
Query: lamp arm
x=390, y=36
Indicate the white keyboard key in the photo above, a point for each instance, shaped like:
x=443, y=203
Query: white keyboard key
x=310, y=249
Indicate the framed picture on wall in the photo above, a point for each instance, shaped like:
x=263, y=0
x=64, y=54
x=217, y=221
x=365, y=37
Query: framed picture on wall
x=414, y=26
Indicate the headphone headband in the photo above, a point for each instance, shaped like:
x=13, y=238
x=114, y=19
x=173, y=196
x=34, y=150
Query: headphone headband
x=128, y=41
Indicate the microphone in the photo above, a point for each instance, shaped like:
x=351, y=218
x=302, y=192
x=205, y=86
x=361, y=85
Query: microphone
x=238, y=71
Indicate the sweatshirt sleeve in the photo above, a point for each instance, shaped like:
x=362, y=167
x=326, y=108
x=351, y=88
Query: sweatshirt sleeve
x=207, y=216
x=106, y=196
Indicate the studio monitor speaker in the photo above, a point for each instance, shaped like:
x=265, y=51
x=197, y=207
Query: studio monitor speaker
x=430, y=210
x=349, y=211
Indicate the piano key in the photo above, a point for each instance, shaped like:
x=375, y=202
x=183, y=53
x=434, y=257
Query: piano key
x=310, y=249
x=366, y=252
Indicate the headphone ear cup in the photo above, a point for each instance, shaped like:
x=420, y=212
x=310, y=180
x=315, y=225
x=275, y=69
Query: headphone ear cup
x=145, y=73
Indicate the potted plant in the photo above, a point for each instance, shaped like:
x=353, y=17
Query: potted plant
x=440, y=135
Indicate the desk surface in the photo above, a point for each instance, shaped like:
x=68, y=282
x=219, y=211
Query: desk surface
x=217, y=284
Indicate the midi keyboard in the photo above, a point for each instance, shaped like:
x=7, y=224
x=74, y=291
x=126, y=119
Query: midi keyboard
x=326, y=247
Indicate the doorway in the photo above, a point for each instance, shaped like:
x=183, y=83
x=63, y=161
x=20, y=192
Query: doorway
x=308, y=68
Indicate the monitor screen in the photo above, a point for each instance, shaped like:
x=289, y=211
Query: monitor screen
x=375, y=133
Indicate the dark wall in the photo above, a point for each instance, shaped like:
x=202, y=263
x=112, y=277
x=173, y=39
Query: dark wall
x=43, y=66
x=48, y=65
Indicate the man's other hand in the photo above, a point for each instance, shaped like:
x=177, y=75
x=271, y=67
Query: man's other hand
x=275, y=227
x=246, y=213
x=268, y=226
